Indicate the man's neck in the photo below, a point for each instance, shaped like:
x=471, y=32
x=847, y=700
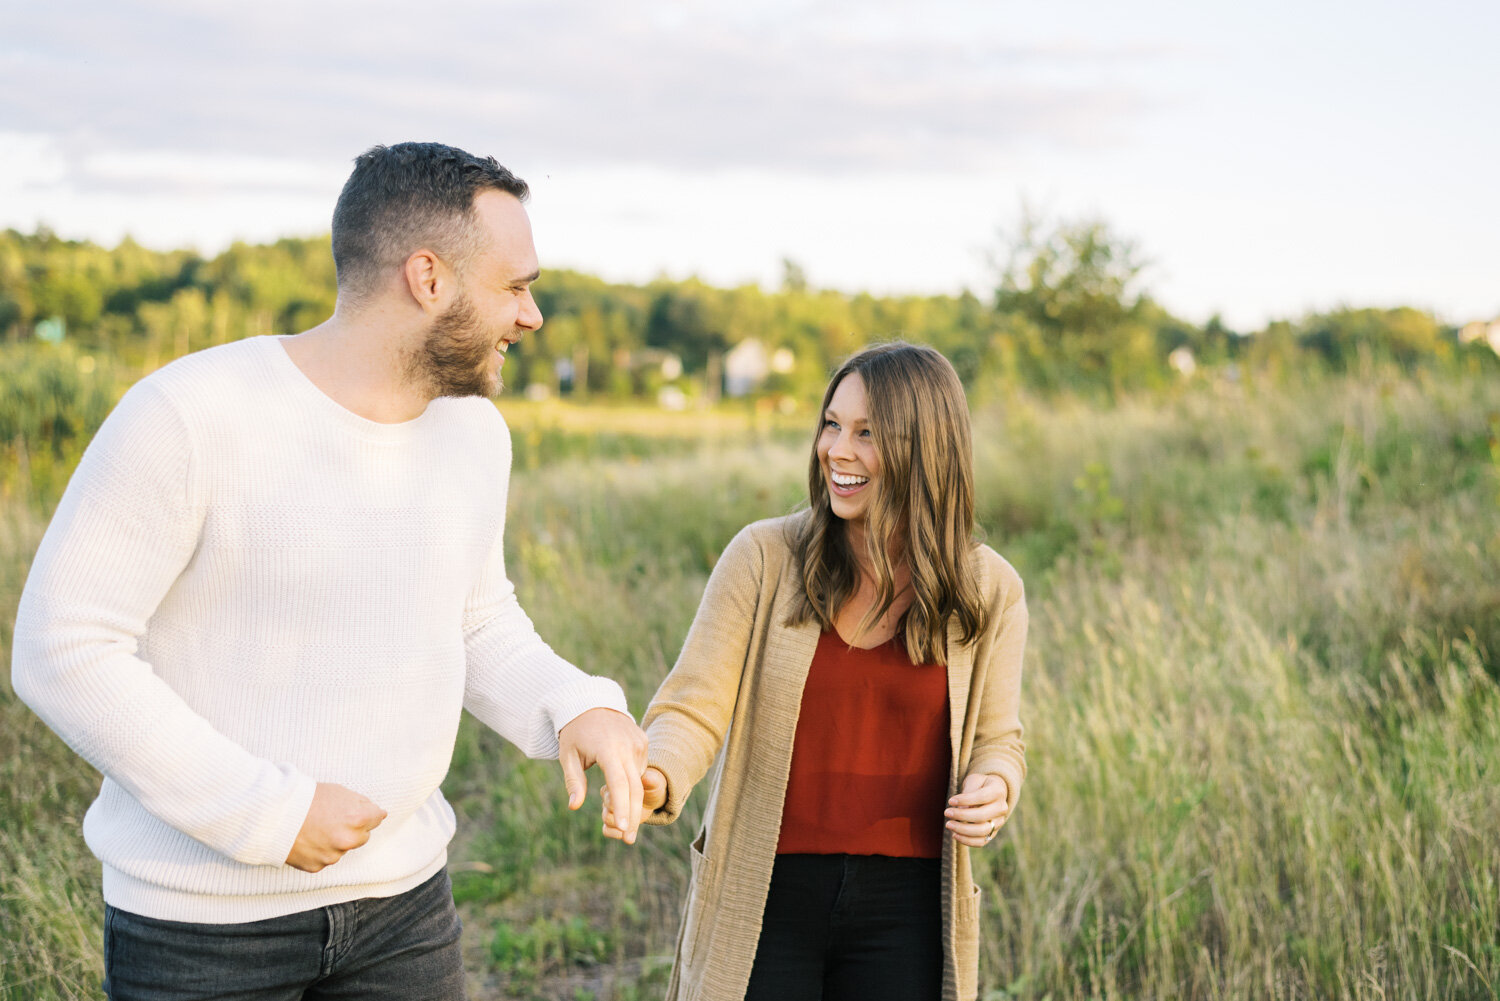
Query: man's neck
x=360, y=363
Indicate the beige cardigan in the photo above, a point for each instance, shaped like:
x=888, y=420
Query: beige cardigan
x=741, y=673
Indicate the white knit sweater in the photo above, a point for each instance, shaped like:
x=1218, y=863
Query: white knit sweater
x=247, y=589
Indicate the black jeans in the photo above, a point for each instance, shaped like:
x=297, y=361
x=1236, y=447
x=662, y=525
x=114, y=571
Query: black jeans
x=401, y=947
x=845, y=927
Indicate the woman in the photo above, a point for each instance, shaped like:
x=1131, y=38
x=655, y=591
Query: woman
x=859, y=665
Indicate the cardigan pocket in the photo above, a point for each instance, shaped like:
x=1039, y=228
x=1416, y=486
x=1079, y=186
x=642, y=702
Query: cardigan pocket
x=966, y=944
x=968, y=909
x=700, y=900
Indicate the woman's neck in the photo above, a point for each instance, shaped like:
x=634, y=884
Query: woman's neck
x=848, y=619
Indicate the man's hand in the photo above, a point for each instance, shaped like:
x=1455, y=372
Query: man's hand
x=653, y=798
x=339, y=821
x=612, y=741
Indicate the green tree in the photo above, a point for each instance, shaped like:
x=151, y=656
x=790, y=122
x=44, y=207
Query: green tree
x=1070, y=304
x=689, y=319
x=1404, y=336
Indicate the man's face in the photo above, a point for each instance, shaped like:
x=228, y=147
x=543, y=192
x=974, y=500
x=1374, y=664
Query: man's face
x=493, y=309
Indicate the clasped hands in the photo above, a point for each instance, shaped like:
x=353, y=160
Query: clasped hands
x=973, y=815
x=341, y=820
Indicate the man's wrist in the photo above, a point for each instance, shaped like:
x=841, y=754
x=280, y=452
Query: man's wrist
x=586, y=694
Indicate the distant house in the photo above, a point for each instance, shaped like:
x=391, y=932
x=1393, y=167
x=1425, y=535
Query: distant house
x=1182, y=361
x=655, y=360
x=1481, y=330
x=671, y=398
x=745, y=367
x=748, y=364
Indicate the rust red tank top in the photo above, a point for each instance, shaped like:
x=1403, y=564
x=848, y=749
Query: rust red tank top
x=870, y=760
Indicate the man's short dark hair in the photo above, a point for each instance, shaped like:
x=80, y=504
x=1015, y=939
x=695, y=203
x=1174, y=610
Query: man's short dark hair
x=405, y=197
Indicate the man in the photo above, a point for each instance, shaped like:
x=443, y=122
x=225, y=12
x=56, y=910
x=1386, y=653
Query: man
x=273, y=581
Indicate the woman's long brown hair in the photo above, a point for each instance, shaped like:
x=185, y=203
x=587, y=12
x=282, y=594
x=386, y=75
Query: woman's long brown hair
x=922, y=510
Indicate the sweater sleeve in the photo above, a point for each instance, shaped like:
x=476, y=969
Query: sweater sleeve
x=691, y=711
x=126, y=527
x=515, y=683
x=999, y=747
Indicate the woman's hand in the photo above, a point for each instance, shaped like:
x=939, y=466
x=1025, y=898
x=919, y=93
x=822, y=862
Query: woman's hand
x=653, y=785
x=979, y=810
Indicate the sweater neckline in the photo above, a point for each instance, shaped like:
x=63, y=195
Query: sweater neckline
x=308, y=390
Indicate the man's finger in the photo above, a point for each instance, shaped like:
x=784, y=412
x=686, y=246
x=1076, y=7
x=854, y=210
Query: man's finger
x=625, y=800
x=356, y=837
x=637, y=796
x=617, y=780
x=573, y=778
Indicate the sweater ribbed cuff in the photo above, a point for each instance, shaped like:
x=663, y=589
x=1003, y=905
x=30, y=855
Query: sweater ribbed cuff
x=568, y=702
x=284, y=834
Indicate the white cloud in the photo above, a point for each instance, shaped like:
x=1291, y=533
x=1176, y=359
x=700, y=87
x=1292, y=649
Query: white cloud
x=1271, y=155
x=590, y=83
x=28, y=160
x=179, y=168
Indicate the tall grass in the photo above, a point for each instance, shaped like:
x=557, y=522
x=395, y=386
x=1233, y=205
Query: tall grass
x=50, y=910
x=1263, y=720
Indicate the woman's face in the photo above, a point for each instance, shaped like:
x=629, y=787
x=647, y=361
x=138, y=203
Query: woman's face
x=846, y=451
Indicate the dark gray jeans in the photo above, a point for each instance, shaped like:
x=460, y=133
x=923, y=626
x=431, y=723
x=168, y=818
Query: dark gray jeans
x=403, y=947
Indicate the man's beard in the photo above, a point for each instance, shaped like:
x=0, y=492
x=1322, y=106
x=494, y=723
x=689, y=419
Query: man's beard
x=455, y=358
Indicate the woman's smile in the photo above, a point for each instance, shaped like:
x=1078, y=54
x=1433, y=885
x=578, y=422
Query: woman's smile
x=847, y=484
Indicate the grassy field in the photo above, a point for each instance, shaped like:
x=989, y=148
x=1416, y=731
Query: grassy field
x=1263, y=717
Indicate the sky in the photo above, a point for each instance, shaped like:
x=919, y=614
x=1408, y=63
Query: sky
x=1266, y=158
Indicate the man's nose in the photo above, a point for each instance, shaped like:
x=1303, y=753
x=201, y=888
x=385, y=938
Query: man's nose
x=530, y=316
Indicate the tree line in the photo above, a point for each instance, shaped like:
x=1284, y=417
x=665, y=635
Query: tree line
x=1068, y=313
